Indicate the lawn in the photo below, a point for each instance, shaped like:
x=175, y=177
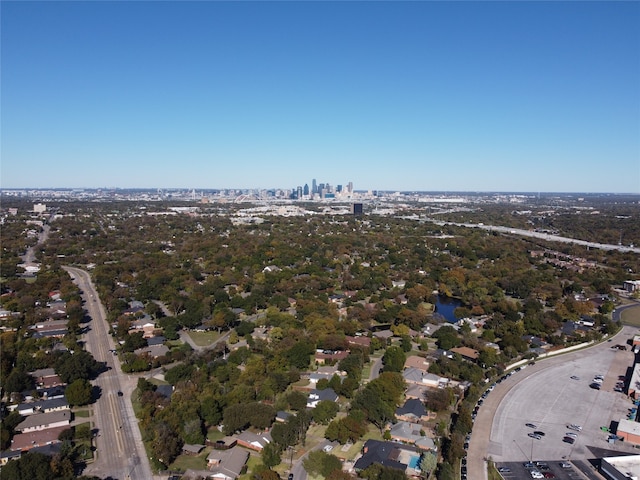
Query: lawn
x=84, y=413
x=631, y=316
x=214, y=434
x=202, y=339
x=196, y=462
x=254, y=461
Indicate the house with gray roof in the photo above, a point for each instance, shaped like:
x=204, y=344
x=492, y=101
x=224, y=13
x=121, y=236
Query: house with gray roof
x=227, y=464
x=41, y=406
x=389, y=454
x=43, y=421
x=413, y=410
x=316, y=396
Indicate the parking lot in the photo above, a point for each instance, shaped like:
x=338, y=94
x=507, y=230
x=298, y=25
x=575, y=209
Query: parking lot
x=551, y=395
x=517, y=471
x=552, y=400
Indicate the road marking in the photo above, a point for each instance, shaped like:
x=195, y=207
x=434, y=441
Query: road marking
x=117, y=423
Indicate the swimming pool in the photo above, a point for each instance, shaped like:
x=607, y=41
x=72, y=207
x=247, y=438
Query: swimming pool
x=414, y=461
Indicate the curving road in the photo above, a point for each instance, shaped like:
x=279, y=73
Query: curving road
x=544, y=394
x=120, y=451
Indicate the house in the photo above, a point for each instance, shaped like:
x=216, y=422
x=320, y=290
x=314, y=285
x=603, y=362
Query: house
x=157, y=340
x=466, y=353
x=282, y=416
x=327, y=372
x=389, y=454
x=7, y=456
x=419, y=377
x=406, y=432
x=43, y=421
x=416, y=391
x=362, y=341
x=324, y=356
x=226, y=464
x=41, y=374
x=41, y=406
x=25, y=441
x=50, y=328
x=417, y=362
x=153, y=351
x=192, y=449
x=383, y=335
x=317, y=396
x=254, y=441
x=146, y=325
x=135, y=307
x=52, y=392
x=165, y=390
x=413, y=410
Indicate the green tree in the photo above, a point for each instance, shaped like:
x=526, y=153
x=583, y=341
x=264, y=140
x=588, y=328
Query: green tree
x=321, y=463
x=271, y=455
x=393, y=359
x=428, y=462
x=325, y=411
x=78, y=392
x=31, y=466
x=377, y=471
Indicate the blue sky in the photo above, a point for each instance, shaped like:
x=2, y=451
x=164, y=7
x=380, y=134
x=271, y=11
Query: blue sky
x=457, y=96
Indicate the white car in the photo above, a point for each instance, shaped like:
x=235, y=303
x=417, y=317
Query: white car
x=327, y=448
x=536, y=474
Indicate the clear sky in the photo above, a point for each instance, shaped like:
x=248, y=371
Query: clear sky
x=456, y=96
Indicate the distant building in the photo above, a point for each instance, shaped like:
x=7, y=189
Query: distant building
x=39, y=208
x=357, y=209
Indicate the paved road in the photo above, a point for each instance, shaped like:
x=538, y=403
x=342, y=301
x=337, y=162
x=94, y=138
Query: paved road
x=120, y=451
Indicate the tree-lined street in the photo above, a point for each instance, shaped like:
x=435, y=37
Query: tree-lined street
x=120, y=451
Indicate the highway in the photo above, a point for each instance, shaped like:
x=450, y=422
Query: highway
x=543, y=236
x=120, y=452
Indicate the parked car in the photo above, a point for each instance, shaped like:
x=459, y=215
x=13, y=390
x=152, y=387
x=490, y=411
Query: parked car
x=530, y=425
x=570, y=440
x=535, y=435
x=575, y=427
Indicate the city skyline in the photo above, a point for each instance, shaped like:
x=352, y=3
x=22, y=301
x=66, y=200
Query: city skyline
x=402, y=96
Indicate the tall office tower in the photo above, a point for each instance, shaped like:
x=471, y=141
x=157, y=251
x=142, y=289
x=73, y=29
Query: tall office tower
x=350, y=187
x=299, y=193
x=305, y=190
x=314, y=186
x=357, y=209
x=339, y=189
x=320, y=187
